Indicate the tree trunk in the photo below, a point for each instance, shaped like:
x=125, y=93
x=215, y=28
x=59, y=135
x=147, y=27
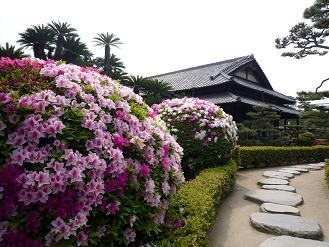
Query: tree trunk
x=59, y=48
x=39, y=51
x=107, y=60
x=35, y=51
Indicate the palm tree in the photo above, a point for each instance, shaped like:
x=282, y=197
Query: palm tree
x=62, y=32
x=75, y=51
x=107, y=40
x=115, y=64
x=39, y=38
x=10, y=51
x=152, y=90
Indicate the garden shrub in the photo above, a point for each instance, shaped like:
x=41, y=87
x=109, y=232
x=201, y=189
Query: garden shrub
x=207, y=134
x=306, y=139
x=326, y=170
x=276, y=156
x=198, y=200
x=83, y=161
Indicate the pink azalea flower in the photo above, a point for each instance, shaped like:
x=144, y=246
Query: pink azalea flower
x=130, y=235
x=165, y=187
x=149, y=186
x=76, y=175
x=42, y=178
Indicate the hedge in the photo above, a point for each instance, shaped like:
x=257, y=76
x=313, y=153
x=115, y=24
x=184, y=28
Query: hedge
x=326, y=171
x=260, y=156
x=199, y=198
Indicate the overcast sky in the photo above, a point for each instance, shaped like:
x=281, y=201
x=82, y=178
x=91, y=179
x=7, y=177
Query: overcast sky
x=163, y=36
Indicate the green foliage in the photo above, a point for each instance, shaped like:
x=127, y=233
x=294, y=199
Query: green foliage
x=138, y=110
x=196, y=156
x=314, y=118
x=199, y=199
x=116, y=70
x=308, y=39
x=326, y=171
x=306, y=139
x=11, y=51
x=276, y=156
x=152, y=90
x=38, y=38
x=259, y=128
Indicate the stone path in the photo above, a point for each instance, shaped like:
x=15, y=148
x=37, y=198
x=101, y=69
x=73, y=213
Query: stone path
x=279, y=216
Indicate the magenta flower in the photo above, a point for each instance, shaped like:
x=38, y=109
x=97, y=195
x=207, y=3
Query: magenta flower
x=32, y=222
x=145, y=170
x=113, y=208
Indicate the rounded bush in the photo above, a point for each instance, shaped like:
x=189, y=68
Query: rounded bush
x=83, y=161
x=306, y=139
x=207, y=134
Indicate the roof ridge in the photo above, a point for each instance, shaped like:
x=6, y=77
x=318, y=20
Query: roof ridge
x=230, y=67
x=200, y=66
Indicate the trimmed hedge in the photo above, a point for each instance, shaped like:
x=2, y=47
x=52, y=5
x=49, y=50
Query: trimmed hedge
x=326, y=171
x=199, y=199
x=260, y=156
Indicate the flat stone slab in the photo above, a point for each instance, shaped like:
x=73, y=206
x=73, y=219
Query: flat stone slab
x=318, y=167
x=296, y=169
x=279, y=209
x=272, y=181
x=291, y=171
x=309, y=167
x=279, y=187
x=287, y=241
x=274, y=196
x=321, y=164
x=284, y=224
x=280, y=175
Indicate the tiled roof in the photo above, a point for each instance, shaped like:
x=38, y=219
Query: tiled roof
x=213, y=74
x=248, y=84
x=200, y=76
x=228, y=97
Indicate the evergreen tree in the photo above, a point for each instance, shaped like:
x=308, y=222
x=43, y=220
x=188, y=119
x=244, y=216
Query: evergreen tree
x=308, y=38
x=261, y=128
x=314, y=118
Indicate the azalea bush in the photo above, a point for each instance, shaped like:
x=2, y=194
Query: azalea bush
x=207, y=134
x=83, y=161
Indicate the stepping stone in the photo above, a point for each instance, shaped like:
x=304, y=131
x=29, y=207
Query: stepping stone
x=287, y=241
x=296, y=169
x=316, y=165
x=301, y=166
x=321, y=164
x=283, y=224
x=279, y=187
x=278, y=209
x=311, y=167
x=274, y=196
x=308, y=167
x=290, y=171
x=280, y=175
x=272, y=181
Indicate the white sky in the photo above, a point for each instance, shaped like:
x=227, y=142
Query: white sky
x=162, y=36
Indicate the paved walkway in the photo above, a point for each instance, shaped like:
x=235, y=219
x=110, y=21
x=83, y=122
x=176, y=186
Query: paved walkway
x=232, y=227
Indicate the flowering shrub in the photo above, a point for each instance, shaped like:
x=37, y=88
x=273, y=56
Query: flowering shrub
x=207, y=134
x=83, y=161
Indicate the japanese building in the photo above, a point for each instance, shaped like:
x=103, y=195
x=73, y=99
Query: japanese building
x=236, y=85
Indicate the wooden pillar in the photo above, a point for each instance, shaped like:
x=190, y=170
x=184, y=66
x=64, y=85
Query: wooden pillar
x=285, y=123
